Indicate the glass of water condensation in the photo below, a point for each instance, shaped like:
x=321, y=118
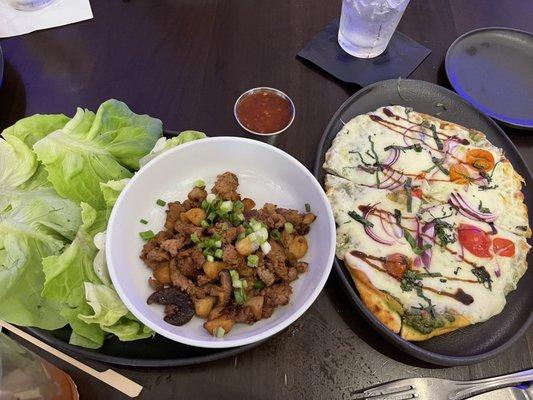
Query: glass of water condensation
x=29, y=5
x=367, y=25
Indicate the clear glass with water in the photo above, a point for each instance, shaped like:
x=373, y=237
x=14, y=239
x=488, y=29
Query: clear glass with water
x=367, y=25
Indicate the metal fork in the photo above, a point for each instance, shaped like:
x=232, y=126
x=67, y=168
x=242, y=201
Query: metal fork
x=441, y=389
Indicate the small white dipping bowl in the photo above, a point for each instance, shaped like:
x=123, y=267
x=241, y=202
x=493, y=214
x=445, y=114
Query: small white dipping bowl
x=266, y=174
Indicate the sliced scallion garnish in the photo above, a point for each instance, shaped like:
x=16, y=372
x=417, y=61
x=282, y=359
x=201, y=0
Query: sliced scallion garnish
x=161, y=203
x=143, y=221
x=147, y=235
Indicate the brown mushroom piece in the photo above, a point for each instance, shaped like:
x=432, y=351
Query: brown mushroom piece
x=178, y=306
x=226, y=288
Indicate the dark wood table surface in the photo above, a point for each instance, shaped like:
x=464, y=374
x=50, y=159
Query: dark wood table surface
x=185, y=62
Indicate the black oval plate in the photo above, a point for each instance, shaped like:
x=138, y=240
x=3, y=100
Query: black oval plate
x=156, y=352
x=474, y=343
x=492, y=68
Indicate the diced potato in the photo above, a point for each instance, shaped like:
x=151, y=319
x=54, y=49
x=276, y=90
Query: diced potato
x=162, y=274
x=298, y=247
x=245, y=271
x=195, y=216
x=309, y=218
x=256, y=306
x=223, y=322
x=286, y=238
x=202, y=307
x=212, y=268
x=248, y=204
x=245, y=246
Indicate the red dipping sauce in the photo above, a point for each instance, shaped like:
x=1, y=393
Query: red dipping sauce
x=264, y=111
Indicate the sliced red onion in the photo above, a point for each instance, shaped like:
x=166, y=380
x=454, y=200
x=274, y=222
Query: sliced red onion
x=405, y=137
x=468, y=210
x=426, y=235
x=395, y=228
x=394, y=154
x=370, y=232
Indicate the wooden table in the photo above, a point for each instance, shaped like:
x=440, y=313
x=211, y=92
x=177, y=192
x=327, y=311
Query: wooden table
x=186, y=61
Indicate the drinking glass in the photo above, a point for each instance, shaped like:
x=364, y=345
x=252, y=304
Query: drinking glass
x=24, y=375
x=367, y=25
x=29, y=5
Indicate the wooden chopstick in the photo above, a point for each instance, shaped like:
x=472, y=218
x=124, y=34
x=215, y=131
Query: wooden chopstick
x=112, y=378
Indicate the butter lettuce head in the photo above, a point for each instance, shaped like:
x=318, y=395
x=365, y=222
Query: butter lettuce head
x=32, y=229
x=95, y=148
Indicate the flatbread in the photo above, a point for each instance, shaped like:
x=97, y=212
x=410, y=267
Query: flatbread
x=378, y=218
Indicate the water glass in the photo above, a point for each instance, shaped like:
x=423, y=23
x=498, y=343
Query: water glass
x=367, y=25
x=29, y=5
x=24, y=375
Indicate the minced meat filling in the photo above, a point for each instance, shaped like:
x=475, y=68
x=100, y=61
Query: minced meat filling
x=232, y=261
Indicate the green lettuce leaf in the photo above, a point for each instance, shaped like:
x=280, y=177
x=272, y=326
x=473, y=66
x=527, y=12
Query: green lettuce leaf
x=111, y=190
x=32, y=129
x=164, y=144
x=128, y=328
x=32, y=229
x=107, y=308
x=91, y=149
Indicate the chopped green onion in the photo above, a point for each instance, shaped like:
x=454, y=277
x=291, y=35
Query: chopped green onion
x=219, y=332
x=238, y=205
x=248, y=231
x=218, y=253
x=210, y=258
x=143, y=221
x=262, y=235
x=259, y=284
x=226, y=206
x=241, y=236
x=199, y=183
x=147, y=235
x=160, y=202
x=211, y=197
x=252, y=260
x=234, y=276
x=253, y=237
x=266, y=247
x=289, y=227
x=240, y=216
x=218, y=243
x=195, y=238
x=255, y=225
x=204, y=224
x=307, y=207
x=205, y=204
x=244, y=283
x=240, y=296
x=274, y=234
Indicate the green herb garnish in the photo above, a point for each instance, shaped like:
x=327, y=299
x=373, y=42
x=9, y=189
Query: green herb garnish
x=408, y=190
x=147, y=235
x=482, y=209
x=444, y=232
x=438, y=164
x=412, y=242
x=160, y=202
x=456, y=271
x=360, y=219
x=416, y=147
x=143, y=221
x=275, y=234
x=482, y=276
x=307, y=207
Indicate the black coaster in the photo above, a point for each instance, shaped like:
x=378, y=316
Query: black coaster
x=401, y=57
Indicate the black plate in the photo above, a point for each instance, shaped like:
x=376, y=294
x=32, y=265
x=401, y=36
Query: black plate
x=478, y=342
x=156, y=352
x=1, y=66
x=492, y=68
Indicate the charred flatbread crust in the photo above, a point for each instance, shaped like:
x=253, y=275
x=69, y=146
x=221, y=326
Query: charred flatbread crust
x=379, y=303
x=411, y=334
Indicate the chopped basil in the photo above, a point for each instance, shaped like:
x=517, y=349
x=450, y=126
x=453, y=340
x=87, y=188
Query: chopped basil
x=433, y=128
x=416, y=147
x=482, y=209
x=443, y=280
x=408, y=190
x=360, y=219
x=398, y=217
x=485, y=187
x=374, y=155
x=444, y=232
x=482, y=276
x=456, y=271
x=412, y=242
x=522, y=228
x=438, y=164
x=147, y=235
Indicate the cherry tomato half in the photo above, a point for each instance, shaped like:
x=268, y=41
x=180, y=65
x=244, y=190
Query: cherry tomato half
x=396, y=264
x=503, y=247
x=480, y=159
x=459, y=174
x=475, y=240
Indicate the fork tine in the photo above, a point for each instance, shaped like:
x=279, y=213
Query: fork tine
x=394, y=391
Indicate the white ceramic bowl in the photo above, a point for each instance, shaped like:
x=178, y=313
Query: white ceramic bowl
x=266, y=174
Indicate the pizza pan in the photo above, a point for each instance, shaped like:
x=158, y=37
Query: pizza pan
x=492, y=68
x=477, y=342
x=155, y=352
